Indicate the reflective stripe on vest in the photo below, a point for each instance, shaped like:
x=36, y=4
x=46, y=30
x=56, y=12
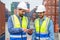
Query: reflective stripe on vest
x=43, y=27
x=17, y=36
x=41, y=38
x=17, y=24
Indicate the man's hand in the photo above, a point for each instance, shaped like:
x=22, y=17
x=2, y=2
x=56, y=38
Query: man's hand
x=30, y=31
x=24, y=29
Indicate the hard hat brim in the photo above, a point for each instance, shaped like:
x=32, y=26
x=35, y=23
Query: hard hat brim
x=40, y=11
x=22, y=8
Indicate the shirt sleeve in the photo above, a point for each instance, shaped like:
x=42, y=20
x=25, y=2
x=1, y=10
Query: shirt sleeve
x=51, y=30
x=11, y=28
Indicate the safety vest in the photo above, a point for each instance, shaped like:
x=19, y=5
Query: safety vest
x=17, y=24
x=41, y=30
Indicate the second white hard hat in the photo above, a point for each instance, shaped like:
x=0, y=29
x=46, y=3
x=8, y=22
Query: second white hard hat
x=22, y=5
x=41, y=8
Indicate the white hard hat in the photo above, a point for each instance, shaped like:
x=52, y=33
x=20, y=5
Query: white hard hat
x=22, y=5
x=41, y=8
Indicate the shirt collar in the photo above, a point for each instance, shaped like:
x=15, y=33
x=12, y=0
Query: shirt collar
x=43, y=18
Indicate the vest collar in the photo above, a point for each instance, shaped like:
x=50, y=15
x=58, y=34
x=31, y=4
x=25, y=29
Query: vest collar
x=18, y=16
x=43, y=18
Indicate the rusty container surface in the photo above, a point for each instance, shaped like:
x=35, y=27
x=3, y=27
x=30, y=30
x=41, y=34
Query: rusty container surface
x=2, y=17
x=52, y=12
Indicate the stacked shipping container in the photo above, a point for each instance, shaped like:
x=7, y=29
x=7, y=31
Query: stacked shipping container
x=52, y=11
x=2, y=17
x=59, y=16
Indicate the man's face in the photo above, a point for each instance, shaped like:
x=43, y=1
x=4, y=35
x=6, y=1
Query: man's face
x=21, y=12
x=41, y=14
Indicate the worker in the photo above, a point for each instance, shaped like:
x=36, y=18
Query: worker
x=18, y=23
x=44, y=28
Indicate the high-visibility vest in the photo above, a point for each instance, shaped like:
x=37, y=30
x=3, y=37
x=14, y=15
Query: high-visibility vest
x=41, y=29
x=17, y=24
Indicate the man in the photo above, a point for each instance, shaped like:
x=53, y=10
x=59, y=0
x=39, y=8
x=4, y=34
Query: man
x=18, y=24
x=43, y=25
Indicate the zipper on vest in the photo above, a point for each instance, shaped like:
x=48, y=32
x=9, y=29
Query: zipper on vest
x=21, y=27
x=39, y=29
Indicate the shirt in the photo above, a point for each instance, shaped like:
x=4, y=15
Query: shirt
x=11, y=28
x=50, y=29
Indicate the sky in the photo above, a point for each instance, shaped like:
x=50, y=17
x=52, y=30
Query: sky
x=33, y=3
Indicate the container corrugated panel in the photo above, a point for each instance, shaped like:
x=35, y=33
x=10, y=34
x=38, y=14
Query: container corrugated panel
x=2, y=18
x=52, y=11
x=51, y=2
x=57, y=27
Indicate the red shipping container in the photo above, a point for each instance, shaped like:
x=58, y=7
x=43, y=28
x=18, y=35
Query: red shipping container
x=52, y=11
x=2, y=17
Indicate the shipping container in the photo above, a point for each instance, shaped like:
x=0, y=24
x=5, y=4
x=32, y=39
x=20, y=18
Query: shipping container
x=2, y=18
x=52, y=11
